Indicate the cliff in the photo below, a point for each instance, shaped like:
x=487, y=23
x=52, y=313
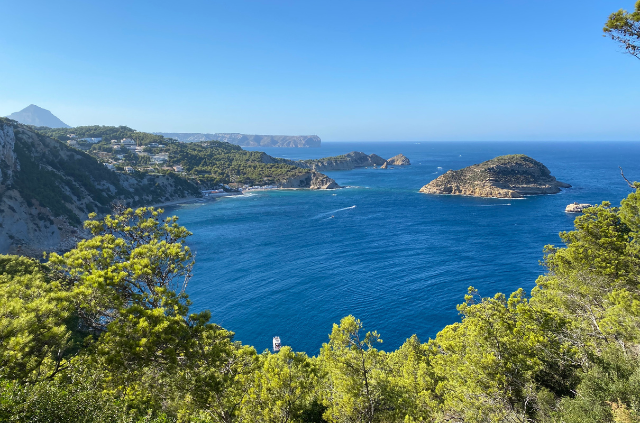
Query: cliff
x=511, y=176
x=311, y=180
x=47, y=190
x=248, y=140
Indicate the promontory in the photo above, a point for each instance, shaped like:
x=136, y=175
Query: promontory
x=511, y=176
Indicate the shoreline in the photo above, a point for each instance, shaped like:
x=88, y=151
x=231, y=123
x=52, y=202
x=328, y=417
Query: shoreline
x=213, y=197
x=191, y=200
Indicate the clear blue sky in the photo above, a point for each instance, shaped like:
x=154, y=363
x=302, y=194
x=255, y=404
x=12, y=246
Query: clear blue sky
x=344, y=70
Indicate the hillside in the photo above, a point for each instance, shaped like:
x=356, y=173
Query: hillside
x=215, y=163
x=248, y=140
x=351, y=161
x=37, y=116
x=47, y=189
x=511, y=176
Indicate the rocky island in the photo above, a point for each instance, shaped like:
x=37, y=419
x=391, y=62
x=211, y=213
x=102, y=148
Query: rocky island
x=351, y=161
x=511, y=176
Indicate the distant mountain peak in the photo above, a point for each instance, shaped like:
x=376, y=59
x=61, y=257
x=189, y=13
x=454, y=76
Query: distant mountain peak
x=37, y=116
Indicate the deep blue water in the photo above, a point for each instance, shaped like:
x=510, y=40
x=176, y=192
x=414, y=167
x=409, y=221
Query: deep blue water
x=275, y=263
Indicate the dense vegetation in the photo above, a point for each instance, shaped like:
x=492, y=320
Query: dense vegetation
x=624, y=27
x=104, y=333
x=209, y=163
x=107, y=133
x=218, y=162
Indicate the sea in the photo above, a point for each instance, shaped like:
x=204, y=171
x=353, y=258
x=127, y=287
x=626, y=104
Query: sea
x=292, y=263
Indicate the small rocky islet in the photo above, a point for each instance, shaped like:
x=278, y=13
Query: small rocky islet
x=510, y=176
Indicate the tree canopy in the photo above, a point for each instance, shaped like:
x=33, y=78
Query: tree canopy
x=104, y=332
x=624, y=28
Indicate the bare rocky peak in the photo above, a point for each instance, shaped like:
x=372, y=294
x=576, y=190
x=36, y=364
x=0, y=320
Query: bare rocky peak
x=37, y=116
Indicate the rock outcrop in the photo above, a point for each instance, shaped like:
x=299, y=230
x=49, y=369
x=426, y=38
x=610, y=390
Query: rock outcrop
x=512, y=176
x=348, y=161
x=47, y=190
x=577, y=208
x=385, y=165
x=399, y=160
x=244, y=140
x=311, y=180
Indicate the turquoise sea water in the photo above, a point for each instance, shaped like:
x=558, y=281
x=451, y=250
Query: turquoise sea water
x=276, y=263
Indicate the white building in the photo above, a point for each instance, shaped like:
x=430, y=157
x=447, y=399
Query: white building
x=128, y=169
x=91, y=140
x=178, y=168
x=110, y=166
x=128, y=141
x=158, y=159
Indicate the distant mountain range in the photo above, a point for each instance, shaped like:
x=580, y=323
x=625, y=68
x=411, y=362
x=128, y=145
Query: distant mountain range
x=37, y=116
x=248, y=140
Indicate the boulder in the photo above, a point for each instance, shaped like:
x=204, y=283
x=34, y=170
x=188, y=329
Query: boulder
x=399, y=160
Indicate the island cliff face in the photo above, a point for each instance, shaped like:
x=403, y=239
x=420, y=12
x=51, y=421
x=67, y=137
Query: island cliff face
x=511, y=176
x=399, y=160
x=311, y=180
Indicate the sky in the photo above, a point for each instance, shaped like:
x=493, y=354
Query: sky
x=427, y=70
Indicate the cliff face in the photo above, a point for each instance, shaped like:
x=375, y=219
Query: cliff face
x=248, y=140
x=512, y=176
x=311, y=180
x=48, y=189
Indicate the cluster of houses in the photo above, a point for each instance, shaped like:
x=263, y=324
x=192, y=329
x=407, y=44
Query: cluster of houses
x=75, y=141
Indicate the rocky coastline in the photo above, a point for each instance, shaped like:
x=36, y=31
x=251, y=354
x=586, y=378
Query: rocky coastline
x=511, y=176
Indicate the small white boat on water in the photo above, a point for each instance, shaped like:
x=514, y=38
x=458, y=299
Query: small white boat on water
x=276, y=344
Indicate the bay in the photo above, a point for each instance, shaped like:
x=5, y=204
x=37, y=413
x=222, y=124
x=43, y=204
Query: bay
x=277, y=262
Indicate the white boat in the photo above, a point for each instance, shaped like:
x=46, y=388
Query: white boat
x=276, y=343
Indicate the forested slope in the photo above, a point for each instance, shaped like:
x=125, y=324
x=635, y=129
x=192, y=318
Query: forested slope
x=47, y=189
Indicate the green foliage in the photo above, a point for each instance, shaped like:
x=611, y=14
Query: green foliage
x=34, y=312
x=356, y=381
x=104, y=333
x=107, y=133
x=624, y=28
x=282, y=389
x=215, y=162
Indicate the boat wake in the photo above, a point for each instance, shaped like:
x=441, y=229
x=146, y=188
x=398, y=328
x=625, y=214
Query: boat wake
x=331, y=213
